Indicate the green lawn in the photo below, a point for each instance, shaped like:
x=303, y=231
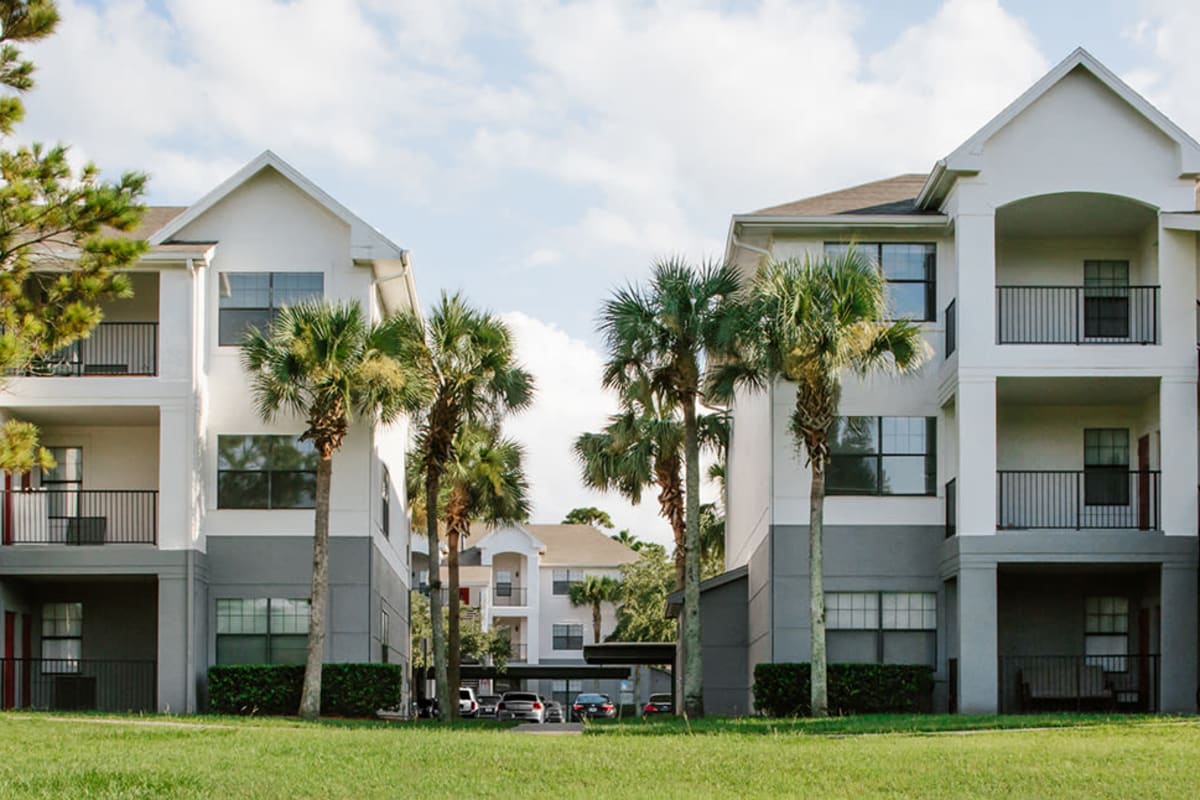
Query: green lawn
x=44, y=756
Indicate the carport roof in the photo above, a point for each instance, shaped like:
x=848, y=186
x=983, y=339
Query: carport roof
x=534, y=671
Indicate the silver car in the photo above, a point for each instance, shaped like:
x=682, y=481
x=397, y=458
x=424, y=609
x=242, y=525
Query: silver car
x=554, y=711
x=521, y=706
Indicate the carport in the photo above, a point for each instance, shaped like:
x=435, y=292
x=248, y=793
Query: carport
x=649, y=654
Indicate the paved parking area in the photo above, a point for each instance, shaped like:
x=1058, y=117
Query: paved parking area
x=560, y=728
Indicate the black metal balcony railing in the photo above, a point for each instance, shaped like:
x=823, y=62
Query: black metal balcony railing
x=503, y=595
x=1079, y=683
x=951, y=328
x=113, y=348
x=1100, y=497
x=79, y=516
x=77, y=684
x=951, y=507
x=1077, y=314
x=517, y=654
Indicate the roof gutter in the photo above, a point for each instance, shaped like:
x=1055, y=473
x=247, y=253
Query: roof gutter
x=844, y=221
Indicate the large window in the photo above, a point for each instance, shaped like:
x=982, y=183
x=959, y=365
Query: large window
x=252, y=299
x=911, y=273
x=385, y=635
x=62, y=636
x=1106, y=299
x=504, y=583
x=63, y=483
x=883, y=455
x=881, y=627
x=1106, y=466
x=564, y=579
x=261, y=630
x=266, y=472
x=568, y=636
x=1106, y=631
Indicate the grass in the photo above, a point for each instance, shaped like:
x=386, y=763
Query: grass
x=1086, y=757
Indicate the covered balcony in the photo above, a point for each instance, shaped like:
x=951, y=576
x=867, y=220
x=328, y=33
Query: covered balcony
x=519, y=647
x=1077, y=269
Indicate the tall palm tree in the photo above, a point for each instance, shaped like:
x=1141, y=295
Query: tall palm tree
x=665, y=334
x=814, y=320
x=467, y=356
x=628, y=539
x=642, y=446
x=595, y=591
x=326, y=362
x=484, y=481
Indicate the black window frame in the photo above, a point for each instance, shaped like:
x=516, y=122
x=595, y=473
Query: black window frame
x=268, y=312
x=880, y=631
x=1106, y=306
x=879, y=456
x=875, y=252
x=271, y=638
x=270, y=472
x=564, y=587
x=1106, y=481
x=60, y=665
x=567, y=640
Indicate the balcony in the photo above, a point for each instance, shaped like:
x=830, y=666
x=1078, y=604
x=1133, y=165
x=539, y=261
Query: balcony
x=518, y=653
x=1097, y=498
x=113, y=348
x=79, y=516
x=1034, y=684
x=1077, y=315
x=508, y=596
x=78, y=684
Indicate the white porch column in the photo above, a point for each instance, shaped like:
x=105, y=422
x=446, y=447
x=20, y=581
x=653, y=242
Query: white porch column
x=1177, y=424
x=1177, y=639
x=978, y=656
x=175, y=443
x=975, y=411
x=533, y=601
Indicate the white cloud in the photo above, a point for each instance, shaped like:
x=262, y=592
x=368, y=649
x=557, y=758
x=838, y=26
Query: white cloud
x=1166, y=32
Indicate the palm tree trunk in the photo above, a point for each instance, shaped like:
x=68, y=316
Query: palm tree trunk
x=816, y=588
x=432, y=482
x=453, y=646
x=310, y=696
x=596, y=621
x=693, y=671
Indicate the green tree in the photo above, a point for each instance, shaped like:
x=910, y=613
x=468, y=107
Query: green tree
x=493, y=645
x=469, y=359
x=588, y=516
x=665, y=334
x=712, y=540
x=628, y=539
x=642, y=446
x=61, y=248
x=810, y=322
x=594, y=592
x=326, y=363
x=484, y=481
x=645, y=585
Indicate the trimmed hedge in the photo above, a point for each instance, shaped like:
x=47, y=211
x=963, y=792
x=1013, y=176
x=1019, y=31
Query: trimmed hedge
x=347, y=690
x=782, y=690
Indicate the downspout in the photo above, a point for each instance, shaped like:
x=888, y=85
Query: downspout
x=752, y=248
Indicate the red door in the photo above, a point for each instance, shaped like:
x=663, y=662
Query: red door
x=10, y=662
x=1143, y=489
x=464, y=595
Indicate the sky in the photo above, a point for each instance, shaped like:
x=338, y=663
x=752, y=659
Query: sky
x=538, y=154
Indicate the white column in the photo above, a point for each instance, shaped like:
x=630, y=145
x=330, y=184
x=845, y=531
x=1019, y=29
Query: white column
x=175, y=476
x=975, y=412
x=978, y=658
x=533, y=601
x=975, y=261
x=1178, y=480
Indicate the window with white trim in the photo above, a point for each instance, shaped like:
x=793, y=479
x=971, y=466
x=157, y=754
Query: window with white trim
x=261, y=630
x=253, y=300
x=267, y=472
x=910, y=269
x=1106, y=631
x=504, y=579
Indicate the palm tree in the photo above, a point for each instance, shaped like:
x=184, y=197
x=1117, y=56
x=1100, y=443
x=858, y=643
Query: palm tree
x=327, y=362
x=483, y=482
x=665, y=334
x=594, y=591
x=812, y=321
x=467, y=357
x=628, y=539
x=642, y=446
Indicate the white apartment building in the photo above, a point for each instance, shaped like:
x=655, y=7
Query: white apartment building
x=176, y=531
x=1022, y=514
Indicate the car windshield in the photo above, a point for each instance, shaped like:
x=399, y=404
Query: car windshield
x=591, y=698
x=464, y=694
x=521, y=697
x=660, y=698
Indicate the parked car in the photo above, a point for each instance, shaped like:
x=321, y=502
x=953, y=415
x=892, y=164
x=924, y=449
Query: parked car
x=554, y=711
x=593, y=706
x=521, y=706
x=487, y=705
x=468, y=706
x=659, y=704
x=427, y=708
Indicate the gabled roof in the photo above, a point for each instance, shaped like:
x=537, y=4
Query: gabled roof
x=565, y=545
x=965, y=159
x=365, y=240
x=896, y=195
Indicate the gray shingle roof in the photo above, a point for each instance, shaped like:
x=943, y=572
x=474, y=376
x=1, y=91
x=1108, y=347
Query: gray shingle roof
x=895, y=195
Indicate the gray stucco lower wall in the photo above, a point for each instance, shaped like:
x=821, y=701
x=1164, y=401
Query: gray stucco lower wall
x=723, y=636
x=758, y=605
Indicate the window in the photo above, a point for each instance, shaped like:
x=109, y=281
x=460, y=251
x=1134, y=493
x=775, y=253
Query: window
x=883, y=456
x=1106, y=466
x=266, y=472
x=568, y=636
x=564, y=579
x=384, y=635
x=911, y=273
x=385, y=503
x=262, y=630
x=62, y=636
x=565, y=691
x=1106, y=299
x=252, y=299
x=504, y=583
x=881, y=627
x=1107, y=631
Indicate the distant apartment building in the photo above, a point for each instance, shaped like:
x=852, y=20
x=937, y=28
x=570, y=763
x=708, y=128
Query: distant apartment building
x=1022, y=514
x=175, y=531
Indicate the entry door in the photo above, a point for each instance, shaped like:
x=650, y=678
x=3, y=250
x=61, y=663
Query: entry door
x=10, y=662
x=1143, y=456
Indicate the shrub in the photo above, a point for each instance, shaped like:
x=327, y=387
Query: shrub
x=782, y=690
x=347, y=690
